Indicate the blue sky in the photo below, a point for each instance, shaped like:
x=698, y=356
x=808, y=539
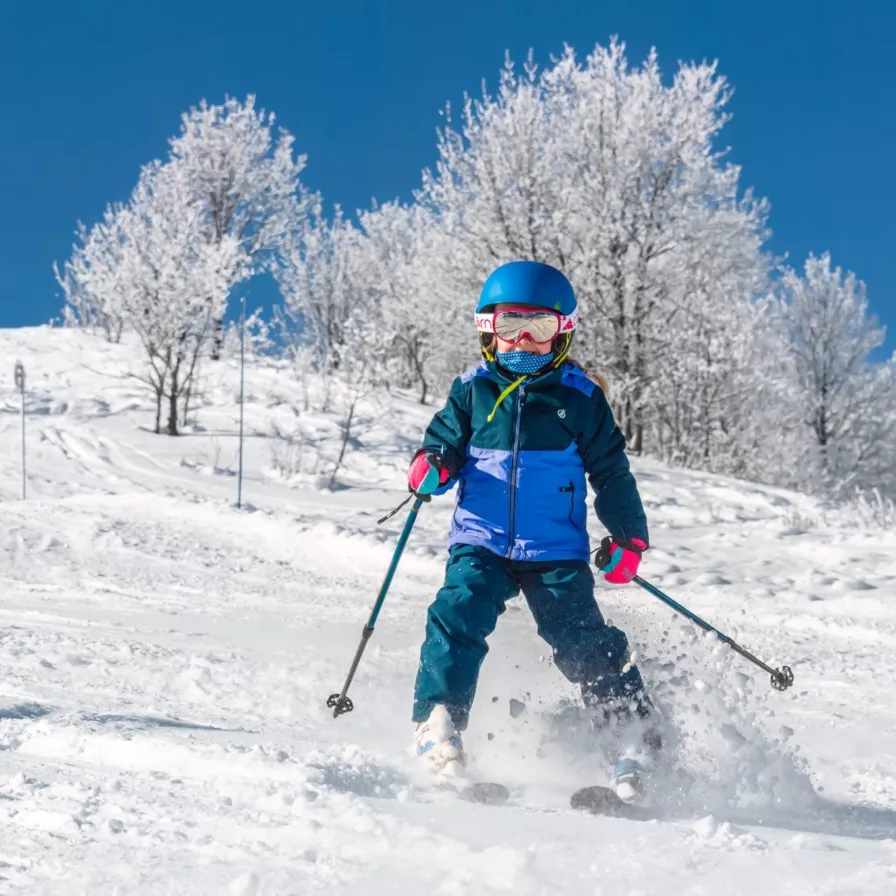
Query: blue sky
x=94, y=89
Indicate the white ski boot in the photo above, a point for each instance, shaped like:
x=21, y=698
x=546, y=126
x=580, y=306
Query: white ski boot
x=439, y=743
x=633, y=767
x=628, y=780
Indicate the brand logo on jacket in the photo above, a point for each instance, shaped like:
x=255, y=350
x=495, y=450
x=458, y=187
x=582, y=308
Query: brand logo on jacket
x=561, y=413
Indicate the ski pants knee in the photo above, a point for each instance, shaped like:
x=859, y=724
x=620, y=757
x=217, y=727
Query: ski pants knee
x=560, y=595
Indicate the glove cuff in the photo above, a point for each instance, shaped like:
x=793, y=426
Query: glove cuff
x=605, y=553
x=439, y=461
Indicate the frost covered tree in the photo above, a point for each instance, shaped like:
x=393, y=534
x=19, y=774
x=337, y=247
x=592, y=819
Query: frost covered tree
x=431, y=342
x=238, y=185
x=384, y=268
x=847, y=403
x=324, y=284
x=606, y=172
x=361, y=377
x=604, y=169
x=91, y=278
x=332, y=323
x=177, y=285
x=704, y=379
x=496, y=193
x=243, y=182
x=146, y=268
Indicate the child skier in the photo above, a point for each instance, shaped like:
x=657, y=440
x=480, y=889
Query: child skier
x=519, y=435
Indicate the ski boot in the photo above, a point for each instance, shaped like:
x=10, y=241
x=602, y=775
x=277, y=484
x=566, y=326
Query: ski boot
x=439, y=743
x=635, y=764
x=632, y=721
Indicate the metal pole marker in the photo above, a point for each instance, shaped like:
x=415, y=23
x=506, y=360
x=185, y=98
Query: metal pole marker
x=20, y=385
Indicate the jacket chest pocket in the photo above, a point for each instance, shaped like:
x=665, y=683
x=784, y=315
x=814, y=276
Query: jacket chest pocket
x=570, y=490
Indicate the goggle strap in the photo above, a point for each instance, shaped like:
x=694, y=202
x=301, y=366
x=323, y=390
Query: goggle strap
x=564, y=354
x=485, y=323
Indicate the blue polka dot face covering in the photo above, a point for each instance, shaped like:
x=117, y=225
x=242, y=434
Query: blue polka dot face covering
x=523, y=362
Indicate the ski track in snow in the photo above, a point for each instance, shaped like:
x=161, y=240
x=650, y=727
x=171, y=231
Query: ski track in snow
x=165, y=661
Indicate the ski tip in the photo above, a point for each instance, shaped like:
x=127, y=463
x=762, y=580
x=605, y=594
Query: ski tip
x=604, y=801
x=485, y=792
x=598, y=801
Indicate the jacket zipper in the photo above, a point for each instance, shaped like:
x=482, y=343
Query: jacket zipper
x=513, y=468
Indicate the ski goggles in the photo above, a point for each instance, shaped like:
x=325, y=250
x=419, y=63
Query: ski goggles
x=512, y=324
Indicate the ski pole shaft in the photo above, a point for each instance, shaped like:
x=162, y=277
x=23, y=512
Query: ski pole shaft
x=781, y=678
x=340, y=703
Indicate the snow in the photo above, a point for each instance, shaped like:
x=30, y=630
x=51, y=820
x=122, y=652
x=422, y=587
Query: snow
x=165, y=661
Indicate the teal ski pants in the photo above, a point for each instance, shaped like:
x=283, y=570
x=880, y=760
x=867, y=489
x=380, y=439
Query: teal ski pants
x=560, y=595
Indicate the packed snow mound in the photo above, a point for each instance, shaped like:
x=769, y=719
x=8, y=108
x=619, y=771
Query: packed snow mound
x=165, y=661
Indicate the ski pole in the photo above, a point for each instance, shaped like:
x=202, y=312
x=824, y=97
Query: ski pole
x=340, y=703
x=781, y=678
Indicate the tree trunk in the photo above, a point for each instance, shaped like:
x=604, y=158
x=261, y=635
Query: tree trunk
x=637, y=443
x=346, y=435
x=159, y=394
x=218, y=339
x=416, y=360
x=187, y=397
x=172, y=415
x=172, y=404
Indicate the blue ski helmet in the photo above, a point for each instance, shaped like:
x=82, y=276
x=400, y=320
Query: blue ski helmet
x=529, y=283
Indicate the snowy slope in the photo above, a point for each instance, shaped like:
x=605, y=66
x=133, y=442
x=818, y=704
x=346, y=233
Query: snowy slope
x=165, y=661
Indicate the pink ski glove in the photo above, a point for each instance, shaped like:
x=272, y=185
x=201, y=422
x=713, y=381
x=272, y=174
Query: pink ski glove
x=618, y=559
x=427, y=472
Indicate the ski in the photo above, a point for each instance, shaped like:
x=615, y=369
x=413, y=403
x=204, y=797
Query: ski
x=488, y=793
x=596, y=800
x=604, y=801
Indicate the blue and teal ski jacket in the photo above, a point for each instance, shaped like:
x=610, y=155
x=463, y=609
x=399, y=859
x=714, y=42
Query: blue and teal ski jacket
x=521, y=464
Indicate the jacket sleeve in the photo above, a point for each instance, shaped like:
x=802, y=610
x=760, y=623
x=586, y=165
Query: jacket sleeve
x=617, y=501
x=449, y=432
